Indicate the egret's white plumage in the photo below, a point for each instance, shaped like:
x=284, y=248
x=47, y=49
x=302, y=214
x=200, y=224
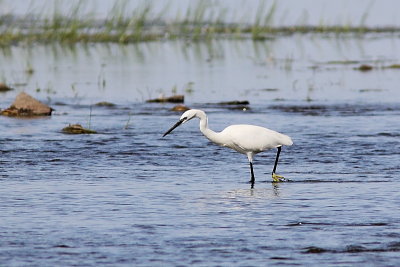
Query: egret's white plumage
x=244, y=138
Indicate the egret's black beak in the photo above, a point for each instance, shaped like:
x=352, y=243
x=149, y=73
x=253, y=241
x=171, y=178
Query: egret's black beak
x=173, y=127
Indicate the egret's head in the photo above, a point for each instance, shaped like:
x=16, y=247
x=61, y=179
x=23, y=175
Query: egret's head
x=186, y=116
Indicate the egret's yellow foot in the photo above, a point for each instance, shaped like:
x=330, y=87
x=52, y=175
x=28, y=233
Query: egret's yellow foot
x=277, y=178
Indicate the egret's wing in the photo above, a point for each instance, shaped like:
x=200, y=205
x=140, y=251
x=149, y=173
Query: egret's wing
x=254, y=138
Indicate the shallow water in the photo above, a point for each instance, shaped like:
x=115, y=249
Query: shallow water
x=127, y=196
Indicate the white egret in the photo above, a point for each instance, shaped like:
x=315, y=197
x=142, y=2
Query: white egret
x=245, y=139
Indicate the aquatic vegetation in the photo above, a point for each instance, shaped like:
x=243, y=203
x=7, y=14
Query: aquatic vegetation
x=77, y=129
x=201, y=21
x=262, y=23
x=393, y=66
x=189, y=88
x=105, y=104
x=364, y=67
x=367, y=67
x=128, y=121
x=343, y=62
x=29, y=69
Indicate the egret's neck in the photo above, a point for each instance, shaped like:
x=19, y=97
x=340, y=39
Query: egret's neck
x=210, y=134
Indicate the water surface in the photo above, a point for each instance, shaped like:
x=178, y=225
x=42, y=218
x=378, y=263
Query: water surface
x=127, y=196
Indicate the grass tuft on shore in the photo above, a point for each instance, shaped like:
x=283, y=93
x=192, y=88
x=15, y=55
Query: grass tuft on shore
x=203, y=20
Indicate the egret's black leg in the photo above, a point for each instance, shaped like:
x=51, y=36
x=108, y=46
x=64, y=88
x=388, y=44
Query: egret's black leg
x=252, y=175
x=276, y=160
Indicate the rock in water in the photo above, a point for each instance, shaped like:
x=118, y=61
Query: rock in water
x=77, y=129
x=171, y=99
x=4, y=88
x=105, y=104
x=179, y=108
x=25, y=105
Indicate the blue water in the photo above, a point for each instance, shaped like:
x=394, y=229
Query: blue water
x=128, y=197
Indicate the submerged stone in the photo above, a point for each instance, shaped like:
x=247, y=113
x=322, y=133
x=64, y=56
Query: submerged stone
x=105, y=104
x=179, y=108
x=77, y=129
x=26, y=106
x=314, y=250
x=171, y=99
x=235, y=102
x=4, y=87
x=364, y=67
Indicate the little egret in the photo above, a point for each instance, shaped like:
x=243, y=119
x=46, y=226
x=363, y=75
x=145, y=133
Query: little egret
x=245, y=139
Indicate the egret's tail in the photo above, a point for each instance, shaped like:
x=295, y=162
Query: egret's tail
x=286, y=140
